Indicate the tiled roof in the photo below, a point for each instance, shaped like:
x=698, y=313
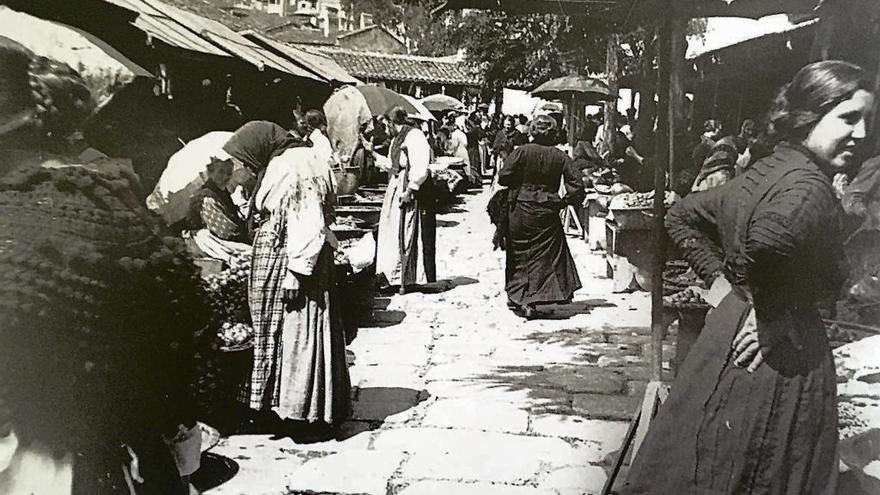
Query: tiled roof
x=388, y=67
x=302, y=36
x=318, y=63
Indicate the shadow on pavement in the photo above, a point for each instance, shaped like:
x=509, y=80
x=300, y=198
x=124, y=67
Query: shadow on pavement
x=447, y=223
x=383, y=318
x=445, y=285
x=574, y=308
x=214, y=471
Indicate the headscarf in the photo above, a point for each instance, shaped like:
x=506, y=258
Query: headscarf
x=256, y=143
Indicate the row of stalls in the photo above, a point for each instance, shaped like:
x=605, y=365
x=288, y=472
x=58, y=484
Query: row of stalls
x=180, y=85
x=731, y=84
x=199, y=76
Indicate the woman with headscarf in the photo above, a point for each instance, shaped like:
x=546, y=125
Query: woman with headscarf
x=299, y=370
x=754, y=407
x=99, y=306
x=540, y=269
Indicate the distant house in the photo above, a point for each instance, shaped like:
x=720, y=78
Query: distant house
x=372, y=39
x=413, y=75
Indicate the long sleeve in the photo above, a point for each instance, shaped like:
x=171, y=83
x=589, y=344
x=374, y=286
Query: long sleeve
x=418, y=154
x=780, y=226
x=510, y=174
x=692, y=224
x=306, y=232
x=574, y=184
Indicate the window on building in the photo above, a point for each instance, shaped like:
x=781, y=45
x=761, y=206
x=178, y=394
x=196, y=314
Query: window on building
x=273, y=2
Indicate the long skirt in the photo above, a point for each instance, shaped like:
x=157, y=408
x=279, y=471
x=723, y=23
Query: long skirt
x=313, y=376
x=299, y=367
x=388, y=246
x=725, y=431
x=266, y=301
x=540, y=268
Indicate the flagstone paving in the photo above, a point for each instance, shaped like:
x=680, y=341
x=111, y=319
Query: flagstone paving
x=455, y=395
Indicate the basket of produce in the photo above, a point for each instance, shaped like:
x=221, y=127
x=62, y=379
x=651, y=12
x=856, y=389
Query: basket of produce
x=634, y=210
x=236, y=337
x=689, y=299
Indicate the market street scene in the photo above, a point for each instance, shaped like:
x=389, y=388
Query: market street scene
x=439, y=247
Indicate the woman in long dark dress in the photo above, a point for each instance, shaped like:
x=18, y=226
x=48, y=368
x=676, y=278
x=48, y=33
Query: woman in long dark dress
x=540, y=269
x=754, y=408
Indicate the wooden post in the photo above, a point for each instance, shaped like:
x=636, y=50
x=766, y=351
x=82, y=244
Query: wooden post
x=611, y=68
x=665, y=118
x=677, y=43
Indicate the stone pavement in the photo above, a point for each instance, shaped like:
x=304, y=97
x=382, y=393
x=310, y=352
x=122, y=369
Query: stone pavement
x=454, y=394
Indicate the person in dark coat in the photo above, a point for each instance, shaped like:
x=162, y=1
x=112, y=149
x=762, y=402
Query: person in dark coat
x=540, y=269
x=753, y=409
x=508, y=138
x=474, y=134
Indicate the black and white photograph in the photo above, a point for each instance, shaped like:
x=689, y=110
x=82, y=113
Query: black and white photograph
x=439, y=247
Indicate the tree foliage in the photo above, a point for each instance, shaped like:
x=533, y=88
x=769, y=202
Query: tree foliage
x=525, y=50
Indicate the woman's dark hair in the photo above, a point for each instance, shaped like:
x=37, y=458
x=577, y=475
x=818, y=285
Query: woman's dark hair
x=813, y=92
x=397, y=115
x=315, y=119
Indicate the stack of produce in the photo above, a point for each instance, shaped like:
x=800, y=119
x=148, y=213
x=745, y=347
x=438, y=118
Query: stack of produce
x=228, y=298
x=689, y=298
x=639, y=201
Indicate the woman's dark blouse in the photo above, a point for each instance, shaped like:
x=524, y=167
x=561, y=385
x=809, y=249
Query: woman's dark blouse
x=790, y=253
x=536, y=170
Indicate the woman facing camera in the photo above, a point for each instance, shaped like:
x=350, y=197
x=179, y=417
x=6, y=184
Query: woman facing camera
x=754, y=407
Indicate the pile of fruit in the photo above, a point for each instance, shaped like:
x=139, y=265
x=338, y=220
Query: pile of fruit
x=688, y=298
x=228, y=296
x=638, y=201
x=235, y=334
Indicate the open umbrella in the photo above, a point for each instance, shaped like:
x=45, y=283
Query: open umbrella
x=424, y=113
x=186, y=173
x=352, y=106
x=104, y=69
x=575, y=91
x=442, y=103
x=588, y=88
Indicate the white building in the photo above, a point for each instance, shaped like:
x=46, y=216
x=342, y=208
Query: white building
x=324, y=14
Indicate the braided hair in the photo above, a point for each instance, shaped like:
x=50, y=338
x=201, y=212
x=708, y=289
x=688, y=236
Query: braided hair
x=99, y=310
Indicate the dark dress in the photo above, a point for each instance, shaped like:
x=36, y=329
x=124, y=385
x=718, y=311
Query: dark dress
x=774, y=233
x=540, y=268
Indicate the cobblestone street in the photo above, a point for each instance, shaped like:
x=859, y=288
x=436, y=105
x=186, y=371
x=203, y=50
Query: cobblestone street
x=455, y=395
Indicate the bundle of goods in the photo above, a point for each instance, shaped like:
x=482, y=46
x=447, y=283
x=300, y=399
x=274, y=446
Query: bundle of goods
x=689, y=298
x=228, y=298
x=602, y=179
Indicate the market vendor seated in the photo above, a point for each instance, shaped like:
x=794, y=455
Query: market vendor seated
x=216, y=227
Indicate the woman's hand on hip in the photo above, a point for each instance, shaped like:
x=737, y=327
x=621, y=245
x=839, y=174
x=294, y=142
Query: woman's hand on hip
x=747, y=352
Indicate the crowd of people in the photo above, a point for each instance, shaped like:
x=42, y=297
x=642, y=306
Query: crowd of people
x=97, y=392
